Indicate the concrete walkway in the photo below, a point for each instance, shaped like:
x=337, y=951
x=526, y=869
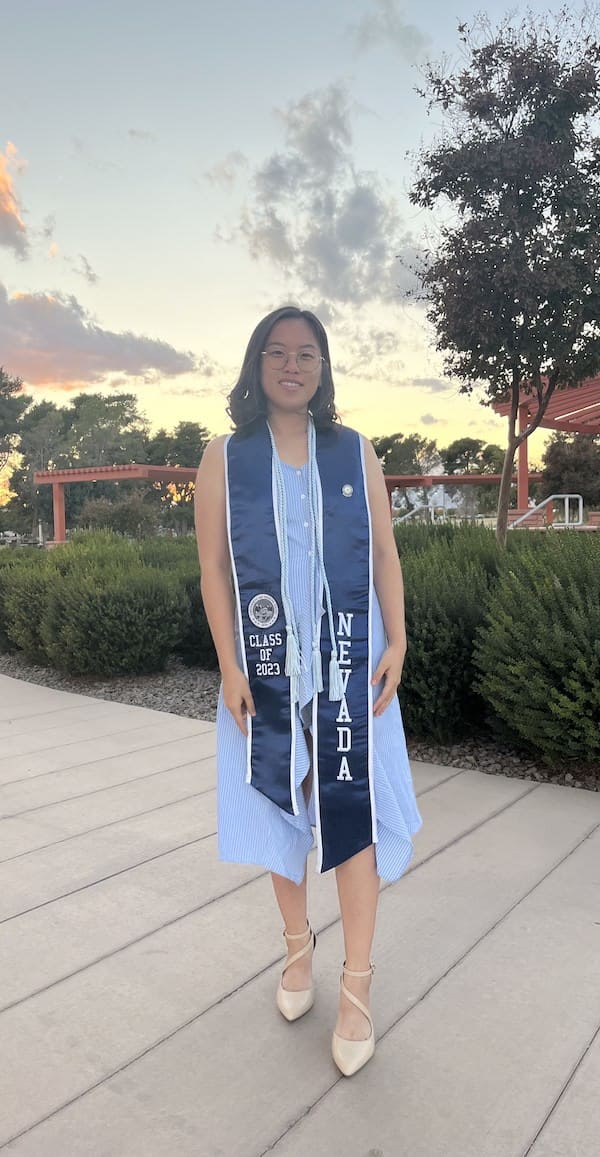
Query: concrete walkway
x=137, y=973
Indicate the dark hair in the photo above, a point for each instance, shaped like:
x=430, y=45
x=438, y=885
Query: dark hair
x=247, y=402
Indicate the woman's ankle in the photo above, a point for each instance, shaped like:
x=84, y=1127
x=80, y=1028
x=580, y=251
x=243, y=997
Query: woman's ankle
x=358, y=966
x=296, y=933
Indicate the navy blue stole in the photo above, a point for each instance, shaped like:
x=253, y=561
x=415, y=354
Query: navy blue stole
x=342, y=729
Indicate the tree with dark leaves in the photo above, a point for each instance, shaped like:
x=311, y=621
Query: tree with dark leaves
x=512, y=283
x=407, y=454
x=572, y=466
x=183, y=447
x=473, y=456
x=13, y=403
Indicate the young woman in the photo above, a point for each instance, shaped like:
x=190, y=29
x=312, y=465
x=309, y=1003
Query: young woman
x=303, y=593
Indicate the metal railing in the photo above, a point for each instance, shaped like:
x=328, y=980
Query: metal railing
x=397, y=519
x=567, y=522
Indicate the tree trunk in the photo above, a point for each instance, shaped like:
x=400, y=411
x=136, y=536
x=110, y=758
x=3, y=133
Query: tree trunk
x=505, y=485
x=509, y=457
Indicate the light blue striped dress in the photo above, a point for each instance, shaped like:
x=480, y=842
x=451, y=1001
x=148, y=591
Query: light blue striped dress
x=251, y=828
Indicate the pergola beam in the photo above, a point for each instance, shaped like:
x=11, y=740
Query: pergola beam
x=572, y=410
x=58, y=479
x=135, y=471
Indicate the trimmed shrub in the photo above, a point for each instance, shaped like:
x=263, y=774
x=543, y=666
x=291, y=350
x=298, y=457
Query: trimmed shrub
x=89, y=551
x=12, y=563
x=102, y=624
x=196, y=647
x=415, y=537
x=23, y=595
x=445, y=603
x=538, y=651
x=165, y=553
x=467, y=540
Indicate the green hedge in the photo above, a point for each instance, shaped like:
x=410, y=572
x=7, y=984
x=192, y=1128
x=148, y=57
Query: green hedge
x=196, y=647
x=23, y=583
x=538, y=651
x=96, y=624
x=8, y=557
x=92, y=551
x=445, y=600
x=165, y=553
x=105, y=605
x=507, y=640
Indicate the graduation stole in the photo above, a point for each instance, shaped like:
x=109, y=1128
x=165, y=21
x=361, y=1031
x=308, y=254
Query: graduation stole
x=341, y=726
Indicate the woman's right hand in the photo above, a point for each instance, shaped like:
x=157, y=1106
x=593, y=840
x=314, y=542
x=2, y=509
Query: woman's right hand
x=237, y=697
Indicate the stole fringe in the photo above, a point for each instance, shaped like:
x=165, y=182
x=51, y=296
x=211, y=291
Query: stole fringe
x=336, y=687
x=317, y=669
x=292, y=656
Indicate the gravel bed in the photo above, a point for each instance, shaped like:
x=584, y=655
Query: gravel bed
x=193, y=691
x=179, y=689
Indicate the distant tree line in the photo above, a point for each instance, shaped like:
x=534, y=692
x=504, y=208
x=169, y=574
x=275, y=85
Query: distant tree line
x=570, y=465
x=414, y=454
x=92, y=430
x=97, y=430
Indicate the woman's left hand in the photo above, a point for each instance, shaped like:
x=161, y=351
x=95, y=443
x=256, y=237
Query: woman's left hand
x=389, y=668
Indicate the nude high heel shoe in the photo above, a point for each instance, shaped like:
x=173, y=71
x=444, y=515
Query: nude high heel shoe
x=293, y=1005
x=351, y=1055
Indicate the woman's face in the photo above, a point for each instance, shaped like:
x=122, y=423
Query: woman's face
x=291, y=366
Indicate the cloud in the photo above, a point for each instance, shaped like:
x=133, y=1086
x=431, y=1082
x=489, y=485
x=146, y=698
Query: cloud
x=326, y=312
x=81, y=266
x=205, y=365
x=190, y=391
x=141, y=135
x=85, y=270
x=329, y=228
x=432, y=385
x=50, y=339
x=386, y=24
x=363, y=348
x=431, y=420
x=12, y=155
x=13, y=233
x=224, y=173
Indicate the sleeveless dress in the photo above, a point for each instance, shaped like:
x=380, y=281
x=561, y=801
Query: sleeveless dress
x=251, y=828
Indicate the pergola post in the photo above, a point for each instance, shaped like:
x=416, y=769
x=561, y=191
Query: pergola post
x=573, y=409
x=523, y=464
x=58, y=507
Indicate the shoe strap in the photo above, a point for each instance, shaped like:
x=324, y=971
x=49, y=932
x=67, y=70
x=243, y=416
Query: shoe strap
x=354, y=999
x=297, y=935
x=368, y=972
x=310, y=944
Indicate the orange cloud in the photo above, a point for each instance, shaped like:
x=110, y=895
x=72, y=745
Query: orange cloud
x=49, y=339
x=13, y=233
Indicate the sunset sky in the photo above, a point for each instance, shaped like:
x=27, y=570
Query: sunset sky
x=171, y=172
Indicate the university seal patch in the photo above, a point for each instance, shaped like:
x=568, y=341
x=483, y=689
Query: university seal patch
x=263, y=611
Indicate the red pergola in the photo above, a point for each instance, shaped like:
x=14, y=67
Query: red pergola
x=408, y=481
x=58, y=479
x=576, y=410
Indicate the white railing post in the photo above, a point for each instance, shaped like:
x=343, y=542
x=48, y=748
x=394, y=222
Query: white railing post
x=566, y=498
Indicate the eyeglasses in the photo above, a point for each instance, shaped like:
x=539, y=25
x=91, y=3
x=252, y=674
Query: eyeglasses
x=306, y=360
